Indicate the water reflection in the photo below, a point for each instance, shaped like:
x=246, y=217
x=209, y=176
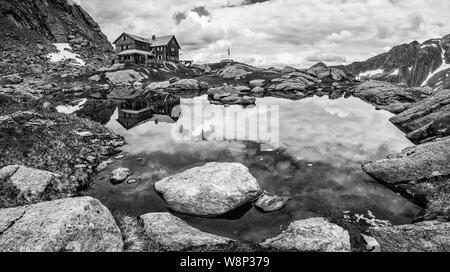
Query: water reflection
x=157, y=107
x=323, y=143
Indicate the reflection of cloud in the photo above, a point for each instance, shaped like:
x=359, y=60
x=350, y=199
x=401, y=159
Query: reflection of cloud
x=339, y=131
x=324, y=141
x=233, y=123
x=325, y=186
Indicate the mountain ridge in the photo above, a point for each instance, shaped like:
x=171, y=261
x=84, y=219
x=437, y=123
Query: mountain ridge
x=30, y=27
x=411, y=64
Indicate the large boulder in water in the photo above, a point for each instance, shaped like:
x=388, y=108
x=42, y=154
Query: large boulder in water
x=73, y=224
x=430, y=236
x=311, y=235
x=209, y=191
x=173, y=234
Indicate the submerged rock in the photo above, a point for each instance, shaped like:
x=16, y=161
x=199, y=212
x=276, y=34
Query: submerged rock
x=73, y=224
x=209, y=191
x=430, y=236
x=311, y=235
x=173, y=234
x=268, y=203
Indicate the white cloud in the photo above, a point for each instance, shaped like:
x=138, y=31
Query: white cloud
x=277, y=32
x=339, y=37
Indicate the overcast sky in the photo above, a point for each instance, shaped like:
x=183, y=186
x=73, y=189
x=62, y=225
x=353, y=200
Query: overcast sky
x=277, y=32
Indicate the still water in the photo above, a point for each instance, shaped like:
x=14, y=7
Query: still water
x=316, y=161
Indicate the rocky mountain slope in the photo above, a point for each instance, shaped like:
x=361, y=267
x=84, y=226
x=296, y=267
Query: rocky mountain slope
x=31, y=27
x=412, y=64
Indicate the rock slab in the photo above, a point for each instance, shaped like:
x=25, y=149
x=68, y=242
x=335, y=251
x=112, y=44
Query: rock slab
x=173, y=234
x=31, y=182
x=381, y=93
x=426, y=120
x=74, y=224
x=420, y=173
x=430, y=236
x=311, y=235
x=414, y=164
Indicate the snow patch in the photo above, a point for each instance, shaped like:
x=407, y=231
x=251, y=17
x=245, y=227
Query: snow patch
x=370, y=73
x=443, y=67
x=430, y=45
x=72, y=109
x=396, y=72
x=64, y=54
x=73, y=2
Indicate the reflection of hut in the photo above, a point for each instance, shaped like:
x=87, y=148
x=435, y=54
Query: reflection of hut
x=135, y=110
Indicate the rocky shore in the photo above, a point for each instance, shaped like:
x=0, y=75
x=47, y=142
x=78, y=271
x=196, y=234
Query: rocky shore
x=419, y=173
x=49, y=159
x=76, y=149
